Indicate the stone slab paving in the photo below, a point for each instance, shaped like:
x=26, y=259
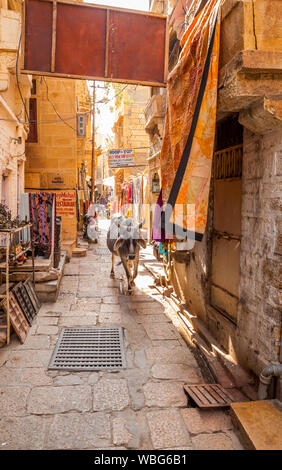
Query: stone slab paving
x=140, y=407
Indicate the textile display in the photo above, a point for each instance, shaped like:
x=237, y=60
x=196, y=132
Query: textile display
x=128, y=212
x=114, y=207
x=158, y=232
x=25, y=215
x=134, y=199
x=41, y=206
x=163, y=250
x=187, y=149
x=145, y=210
x=137, y=188
x=126, y=200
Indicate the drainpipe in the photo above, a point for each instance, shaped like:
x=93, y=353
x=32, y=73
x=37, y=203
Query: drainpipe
x=265, y=378
x=274, y=369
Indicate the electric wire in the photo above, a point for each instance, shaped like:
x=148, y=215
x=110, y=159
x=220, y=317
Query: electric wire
x=52, y=121
x=17, y=69
x=53, y=106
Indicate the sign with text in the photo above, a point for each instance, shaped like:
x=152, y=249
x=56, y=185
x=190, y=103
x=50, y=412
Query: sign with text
x=66, y=203
x=121, y=158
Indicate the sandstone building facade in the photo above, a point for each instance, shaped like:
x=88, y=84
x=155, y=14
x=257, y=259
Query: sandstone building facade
x=14, y=95
x=129, y=132
x=230, y=281
x=55, y=148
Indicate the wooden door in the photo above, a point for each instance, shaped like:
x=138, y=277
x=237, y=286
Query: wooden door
x=226, y=235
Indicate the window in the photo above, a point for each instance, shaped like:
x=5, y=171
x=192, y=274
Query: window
x=32, y=136
x=33, y=89
x=81, y=125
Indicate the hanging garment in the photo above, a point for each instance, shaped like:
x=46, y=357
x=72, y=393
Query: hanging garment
x=145, y=205
x=163, y=250
x=128, y=212
x=134, y=199
x=41, y=216
x=158, y=233
x=186, y=154
x=25, y=215
x=139, y=198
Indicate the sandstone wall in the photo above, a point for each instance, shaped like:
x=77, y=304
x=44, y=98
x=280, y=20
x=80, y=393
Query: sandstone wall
x=259, y=313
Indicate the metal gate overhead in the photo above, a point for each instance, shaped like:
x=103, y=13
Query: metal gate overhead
x=71, y=39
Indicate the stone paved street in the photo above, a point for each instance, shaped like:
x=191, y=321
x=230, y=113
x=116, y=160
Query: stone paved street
x=140, y=407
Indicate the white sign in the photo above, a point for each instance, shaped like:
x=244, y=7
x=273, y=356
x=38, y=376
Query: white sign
x=121, y=158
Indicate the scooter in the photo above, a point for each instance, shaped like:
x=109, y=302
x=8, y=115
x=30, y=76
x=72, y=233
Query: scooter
x=91, y=229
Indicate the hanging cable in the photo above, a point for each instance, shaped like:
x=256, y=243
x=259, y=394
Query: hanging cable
x=17, y=69
x=59, y=116
x=48, y=121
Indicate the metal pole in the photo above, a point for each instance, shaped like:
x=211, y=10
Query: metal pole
x=8, y=243
x=93, y=146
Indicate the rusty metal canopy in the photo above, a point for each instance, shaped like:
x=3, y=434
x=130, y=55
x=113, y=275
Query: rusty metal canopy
x=70, y=39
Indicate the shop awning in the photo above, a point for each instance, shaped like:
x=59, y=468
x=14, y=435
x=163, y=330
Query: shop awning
x=109, y=181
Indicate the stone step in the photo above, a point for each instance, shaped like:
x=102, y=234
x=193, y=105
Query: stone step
x=68, y=246
x=79, y=252
x=48, y=291
x=259, y=423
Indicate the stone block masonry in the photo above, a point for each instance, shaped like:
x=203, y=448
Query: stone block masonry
x=259, y=314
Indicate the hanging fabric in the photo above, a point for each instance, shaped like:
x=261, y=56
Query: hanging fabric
x=25, y=215
x=140, y=198
x=41, y=215
x=186, y=154
x=129, y=201
x=134, y=199
x=158, y=233
x=145, y=205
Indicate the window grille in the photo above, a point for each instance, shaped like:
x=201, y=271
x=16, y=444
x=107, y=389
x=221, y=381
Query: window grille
x=228, y=162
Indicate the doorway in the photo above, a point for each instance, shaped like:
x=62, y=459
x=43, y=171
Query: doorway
x=5, y=190
x=226, y=232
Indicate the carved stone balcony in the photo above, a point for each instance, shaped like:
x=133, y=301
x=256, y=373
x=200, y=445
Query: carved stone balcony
x=154, y=112
x=250, y=64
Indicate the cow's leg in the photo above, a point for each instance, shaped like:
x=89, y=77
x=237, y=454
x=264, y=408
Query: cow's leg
x=128, y=274
x=135, y=268
x=113, y=265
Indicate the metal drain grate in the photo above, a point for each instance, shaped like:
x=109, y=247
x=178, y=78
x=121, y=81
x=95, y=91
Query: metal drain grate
x=209, y=395
x=81, y=349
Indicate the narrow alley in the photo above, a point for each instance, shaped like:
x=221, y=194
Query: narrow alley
x=140, y=230
x=142, y=406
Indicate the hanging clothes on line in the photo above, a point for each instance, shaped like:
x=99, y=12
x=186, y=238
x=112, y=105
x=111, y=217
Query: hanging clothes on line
x=25, y=214
x=137, y=188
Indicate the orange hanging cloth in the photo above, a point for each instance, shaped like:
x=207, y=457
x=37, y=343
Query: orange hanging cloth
x=187, y=150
